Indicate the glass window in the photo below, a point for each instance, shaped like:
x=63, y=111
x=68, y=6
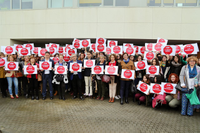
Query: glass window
x=154, y=2
x=15, y=4
x=168, y=2
x=86, y=3
x=122, y=3
x=68, y=3
x=180, y=3
x=108, y=2
x=27, y=4
x=55, y=3
x=4, y=4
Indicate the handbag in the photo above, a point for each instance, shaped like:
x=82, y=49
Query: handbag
x=133, y=87
x=105, y=78
x=194, y=100
x=178, y=87
x=59, y=77
x=18, y=74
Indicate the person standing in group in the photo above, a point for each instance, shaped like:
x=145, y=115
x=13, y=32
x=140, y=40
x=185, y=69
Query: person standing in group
x=33, y=80
x=3, y=79
x=113, y=79
x=60, y=85
x=76, y=78
x=187, y=77
x=100, y=84
x=47, y=75
x=24, y=79
x=11, y=78
x=125, y=83
x=88, y=78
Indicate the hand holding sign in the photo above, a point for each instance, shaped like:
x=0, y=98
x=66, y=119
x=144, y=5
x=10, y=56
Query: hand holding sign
x=46, y=65
x=143, y=87
x=89, y=63
x=156, y=88
x=13, y=66
x=111, y=70
x=128, y=74
x=153, y=70
x=75, y=67
x=60, y=69
x=30, y=69
x=97, y=70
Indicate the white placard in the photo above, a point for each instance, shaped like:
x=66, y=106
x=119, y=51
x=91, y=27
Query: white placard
x=127, y=45
x=179, y=48
x=130, y=50
x=169, y=88
x=149, y=55
x=76, y=67
x=141, y=49
x=93, y=47
x=100, y=40
x=29, y=45
x=190, y=49
x=89, y=63
x=24, y=51
x=11, y=66
x=3, y=61
x=45, y=65
x=61, y=50
x=128, y=74
x=156, y=88
x=97, y=70
x=52, y=50
x=54, y=45
x=18, y=46
x=3, y=49
x=111, y=43
x=153, y=70
x=9, y=50
x=60, y=69
x=163, y=41
x=101, y=48
x=149, y=46
x=35, y=50
x=168, y=50
x=111, y=70
x=140, y=65
x=30, y=69
x=76, y=43
x=41, y=51
x=71, y=51
x=143, y=87
x=116, y=50
x=85, y=43
x=157, y=47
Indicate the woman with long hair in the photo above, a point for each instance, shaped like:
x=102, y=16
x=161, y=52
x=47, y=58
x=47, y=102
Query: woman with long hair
x=11, y=78
x=173, y=99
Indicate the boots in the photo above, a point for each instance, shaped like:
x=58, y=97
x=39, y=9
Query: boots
x=122, y=101
x=126, y=100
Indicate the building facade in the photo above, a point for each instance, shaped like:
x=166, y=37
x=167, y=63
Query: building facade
x=137, y=21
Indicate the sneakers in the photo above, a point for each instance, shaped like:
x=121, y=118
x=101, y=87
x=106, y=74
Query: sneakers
x=117, y=97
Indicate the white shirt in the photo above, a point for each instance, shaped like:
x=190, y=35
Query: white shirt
x=46, y=71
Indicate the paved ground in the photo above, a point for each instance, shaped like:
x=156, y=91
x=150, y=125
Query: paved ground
x=90, y=116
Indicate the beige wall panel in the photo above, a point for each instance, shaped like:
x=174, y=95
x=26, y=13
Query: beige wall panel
x=168, y=31
x=166, y=15
x=54, y=30
x=108, y=15
x=107, y=30
x=190, y=31
x=190, y=15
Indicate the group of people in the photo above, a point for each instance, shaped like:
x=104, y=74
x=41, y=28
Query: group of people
x=173, y=69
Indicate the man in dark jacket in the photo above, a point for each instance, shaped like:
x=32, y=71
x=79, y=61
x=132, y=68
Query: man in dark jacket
x=47, y=75
x=76, y=78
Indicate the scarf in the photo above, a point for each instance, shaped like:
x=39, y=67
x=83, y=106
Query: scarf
x=193, y=72
x=126, y=61
x=176, y=64
x=112, y=64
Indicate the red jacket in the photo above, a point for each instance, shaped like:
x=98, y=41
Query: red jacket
x=36, y=75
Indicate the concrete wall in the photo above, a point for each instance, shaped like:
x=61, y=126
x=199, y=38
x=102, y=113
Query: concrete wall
x=124, y=22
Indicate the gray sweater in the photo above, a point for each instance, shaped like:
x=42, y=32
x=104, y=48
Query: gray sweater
x=184, y=76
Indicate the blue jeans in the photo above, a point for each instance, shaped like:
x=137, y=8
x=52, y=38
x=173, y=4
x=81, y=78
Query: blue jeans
x=186, y=106
x=46, y=77
x=125, y=86
x=15, y=81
